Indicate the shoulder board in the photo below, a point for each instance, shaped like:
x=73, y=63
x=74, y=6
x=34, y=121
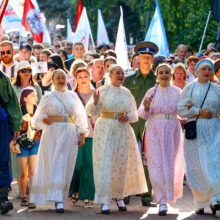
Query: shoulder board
x=130, y=73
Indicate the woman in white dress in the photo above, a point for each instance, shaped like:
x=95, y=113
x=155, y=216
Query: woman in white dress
x=117, y=165
x=63, y=120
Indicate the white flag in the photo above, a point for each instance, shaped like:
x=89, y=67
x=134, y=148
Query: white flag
x=102, y=36
x=69, y=32
x=83, y=32
x=121, y=48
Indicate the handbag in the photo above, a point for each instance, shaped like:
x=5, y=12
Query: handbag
x=24, y=141
x=190, y=127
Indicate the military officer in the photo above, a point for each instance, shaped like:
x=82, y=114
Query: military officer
x=138, y=83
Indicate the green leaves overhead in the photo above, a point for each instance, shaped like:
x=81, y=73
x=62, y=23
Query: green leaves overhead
x=184, y=20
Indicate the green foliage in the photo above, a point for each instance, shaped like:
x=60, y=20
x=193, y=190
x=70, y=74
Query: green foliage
x=184, y=20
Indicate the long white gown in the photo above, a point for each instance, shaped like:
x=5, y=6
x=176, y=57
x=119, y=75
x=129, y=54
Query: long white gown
x=117, y=165
x=58, y=147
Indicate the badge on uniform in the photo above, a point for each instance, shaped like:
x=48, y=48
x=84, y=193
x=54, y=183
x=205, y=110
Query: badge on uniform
x=134, y=82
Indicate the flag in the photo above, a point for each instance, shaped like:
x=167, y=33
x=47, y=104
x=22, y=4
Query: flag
x=69, y=32
x=11, y=21
x=121, y=48
x=156, y=32
x=78, y=13
x=46, y=37
x=2, y=9
x=102, y=36
x=216, y=9
x=83, y=32
x=32, y=22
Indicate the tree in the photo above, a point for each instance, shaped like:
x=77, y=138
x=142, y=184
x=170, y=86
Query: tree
x=184, y=20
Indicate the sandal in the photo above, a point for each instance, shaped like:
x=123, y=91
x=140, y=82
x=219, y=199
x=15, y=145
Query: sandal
x=32, y=206
x=88, y=203
x=74, y=199
x=24, y=201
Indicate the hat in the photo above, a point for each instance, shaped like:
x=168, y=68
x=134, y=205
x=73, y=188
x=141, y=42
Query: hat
x=26, y=46
x=22, y=65
x=216, y=65
x=146, y=47
x=204, y=62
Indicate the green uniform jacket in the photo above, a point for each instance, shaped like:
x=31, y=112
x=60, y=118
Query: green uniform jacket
x=10, y=102
x=138, y=85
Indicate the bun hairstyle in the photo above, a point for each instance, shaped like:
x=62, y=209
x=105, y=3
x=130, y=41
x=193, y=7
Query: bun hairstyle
x=58, y=71
x=24, y=93
x=163, y=64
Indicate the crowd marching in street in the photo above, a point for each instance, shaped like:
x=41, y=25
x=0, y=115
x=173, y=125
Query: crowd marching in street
x=86, y=128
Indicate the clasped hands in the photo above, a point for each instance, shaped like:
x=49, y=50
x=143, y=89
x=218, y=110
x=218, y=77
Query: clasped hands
x=96, y=96
x=204, y=113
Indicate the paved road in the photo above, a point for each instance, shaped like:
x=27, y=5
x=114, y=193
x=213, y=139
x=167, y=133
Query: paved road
x=183, y=209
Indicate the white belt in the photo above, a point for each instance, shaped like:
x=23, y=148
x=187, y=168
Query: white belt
x=164, y=116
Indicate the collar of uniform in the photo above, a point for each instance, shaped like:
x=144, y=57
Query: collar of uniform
x=139, y=74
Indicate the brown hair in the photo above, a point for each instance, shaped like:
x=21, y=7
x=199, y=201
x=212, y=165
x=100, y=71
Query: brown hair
x=17, y=80
x=192, y=59
x=179, y=66
x=110, y=58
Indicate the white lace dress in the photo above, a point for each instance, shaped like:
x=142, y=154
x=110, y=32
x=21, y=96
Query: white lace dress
x=117, y=165
x=58, y=147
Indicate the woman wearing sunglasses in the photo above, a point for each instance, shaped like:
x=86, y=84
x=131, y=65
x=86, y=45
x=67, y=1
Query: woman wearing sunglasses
x=24, y=79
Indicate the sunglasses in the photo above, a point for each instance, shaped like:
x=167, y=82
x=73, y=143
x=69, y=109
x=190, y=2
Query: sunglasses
x=26, y=70
x=6, y=52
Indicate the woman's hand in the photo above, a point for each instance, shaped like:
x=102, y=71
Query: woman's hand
x=48, y=120
x=218, y=115
x=123, y=118
x=96, y=97
x=81, y=139
x=147, y=103
x=205, y=113
x=12, y=148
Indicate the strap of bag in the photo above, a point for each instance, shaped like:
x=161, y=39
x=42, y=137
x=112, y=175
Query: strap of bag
x=65, y=109
x=204, y=99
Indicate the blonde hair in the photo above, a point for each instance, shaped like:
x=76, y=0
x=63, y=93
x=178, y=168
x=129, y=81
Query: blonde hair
x=75, y=65
x=179, y=66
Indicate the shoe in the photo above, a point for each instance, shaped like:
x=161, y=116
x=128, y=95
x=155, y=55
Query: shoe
x=88, y=204
x=5, y=207
x=149, y=203
x=217, y=206
x=59, y=207
x=122, y=208
x=31, y=206
x=74, y=199
x=199, y=211
x=126, y=200
x=105, y=211
x=162, y=210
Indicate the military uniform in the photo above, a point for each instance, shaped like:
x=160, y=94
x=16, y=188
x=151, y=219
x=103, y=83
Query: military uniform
x=139, y=84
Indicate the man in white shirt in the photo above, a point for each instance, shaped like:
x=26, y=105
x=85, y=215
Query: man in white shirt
x=8, y=65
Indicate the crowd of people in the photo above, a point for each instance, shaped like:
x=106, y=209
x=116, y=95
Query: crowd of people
x=87, y=129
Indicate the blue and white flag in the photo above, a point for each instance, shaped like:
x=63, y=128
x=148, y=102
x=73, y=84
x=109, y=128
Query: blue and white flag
x=11, y=21
x=102, y=36
x=121, y=47
x=83, y=32
x=69, y=32
x=156, y=33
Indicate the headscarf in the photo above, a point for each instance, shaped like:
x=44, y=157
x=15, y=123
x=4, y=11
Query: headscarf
x=204, y=62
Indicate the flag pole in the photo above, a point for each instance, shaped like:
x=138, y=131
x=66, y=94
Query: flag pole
x=200, y=48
